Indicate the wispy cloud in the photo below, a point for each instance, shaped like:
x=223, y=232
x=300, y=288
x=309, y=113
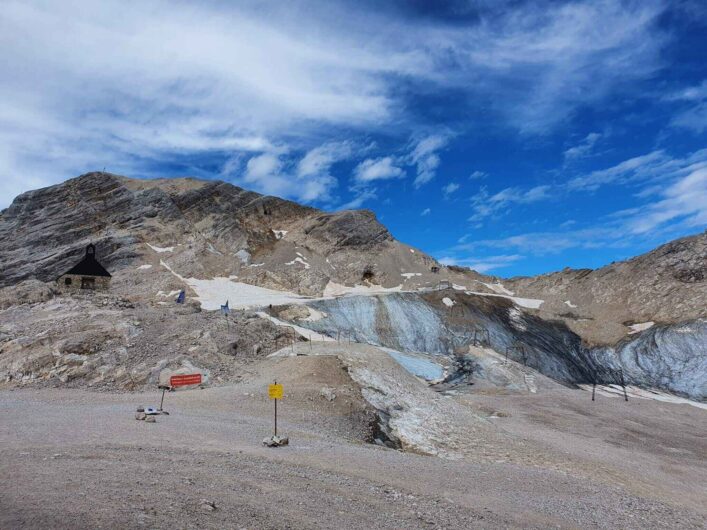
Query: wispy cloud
x=426, y=212
x=274, y=172
x=486, y=205
x=678, y=204
x=693, y=112
x=359, y=199
x=483, y=264
x=142, y=87
x=424, y=156
x=583, y=148
x=449, y=189
x=378, y=169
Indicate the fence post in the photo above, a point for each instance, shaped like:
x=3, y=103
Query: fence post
x=623, y=383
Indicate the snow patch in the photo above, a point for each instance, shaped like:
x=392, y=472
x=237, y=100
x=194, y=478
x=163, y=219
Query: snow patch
x=160, y=249
x=256, y=264
x=448, y=302
x=409, y=275
x=570, y=304
x=169, y=294
x=530, y=303
x=279, y=234
x=144, y=267
x=213, y=293
x=637, y=328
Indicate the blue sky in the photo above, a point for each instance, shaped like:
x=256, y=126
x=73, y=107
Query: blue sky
x=513, y=137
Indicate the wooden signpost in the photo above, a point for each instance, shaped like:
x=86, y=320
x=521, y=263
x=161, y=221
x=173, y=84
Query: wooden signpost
x=275, y=392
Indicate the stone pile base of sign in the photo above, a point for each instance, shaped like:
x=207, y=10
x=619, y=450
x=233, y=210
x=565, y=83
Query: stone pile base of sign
x=276, y=441
x=141, y=415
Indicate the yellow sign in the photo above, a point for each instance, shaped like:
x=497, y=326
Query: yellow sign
x=275, y=391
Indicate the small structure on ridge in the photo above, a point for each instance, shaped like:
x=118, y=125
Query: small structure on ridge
x=87, y=274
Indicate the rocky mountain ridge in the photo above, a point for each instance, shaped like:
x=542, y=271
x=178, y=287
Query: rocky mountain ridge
x=171, y=229
x=666, y=285
x=320, y=274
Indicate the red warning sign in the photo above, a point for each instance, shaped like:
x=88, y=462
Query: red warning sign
x=184, y=380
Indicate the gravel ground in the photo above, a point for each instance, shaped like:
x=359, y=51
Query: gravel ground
x=78, y=459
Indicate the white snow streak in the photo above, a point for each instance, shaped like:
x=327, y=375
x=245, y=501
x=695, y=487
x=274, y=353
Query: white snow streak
x=637, y=328
x=336, y=289
x=530, y=303
x=306, y=333
x=298, y=260
x=497, y=288
x=160, y=249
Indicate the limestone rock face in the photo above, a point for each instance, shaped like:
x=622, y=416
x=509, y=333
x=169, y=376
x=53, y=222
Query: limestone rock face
x=665, y=286
x=210, y=228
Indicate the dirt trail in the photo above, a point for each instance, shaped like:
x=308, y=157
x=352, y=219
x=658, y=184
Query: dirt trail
x=79, y=459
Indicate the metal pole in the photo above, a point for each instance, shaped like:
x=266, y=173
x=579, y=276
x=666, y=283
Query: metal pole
x=594, y=389
x=162, y=401
x=623, y=383
x=275, y=413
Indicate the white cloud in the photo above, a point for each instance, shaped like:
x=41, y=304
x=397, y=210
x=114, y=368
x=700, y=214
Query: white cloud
x=677, y=205
x=685, y=200
x=483, y=264
x=693, y=103
x=361, y=197
x=377, y=169
x=651, y=167
x=310, y=180
x=450, y=188
x=486, y=205
x=425, y=157
x=425, y=212
x=320, y=159
x=583, y=148
x=693, y=118
x=476, y=175
x=136, y=87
